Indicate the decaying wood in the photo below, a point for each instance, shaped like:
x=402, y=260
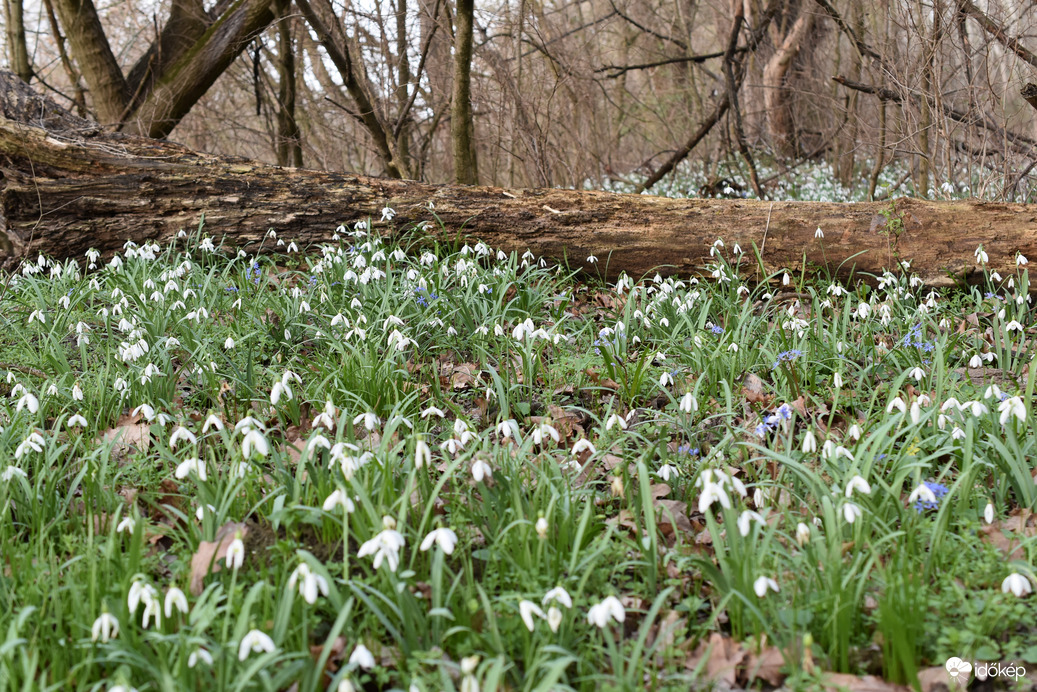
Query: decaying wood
x=67, y=186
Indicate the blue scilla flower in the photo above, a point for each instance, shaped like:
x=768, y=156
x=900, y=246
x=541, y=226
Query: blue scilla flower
x=787, y=357
x=689, y=450
x=717, y=329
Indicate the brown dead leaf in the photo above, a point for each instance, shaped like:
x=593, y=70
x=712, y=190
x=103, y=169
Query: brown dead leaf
x=765, y=665
x=844, y=682
x=935, y=679
x=129, y=432
x=600, y=381
x=336, y=654
x=1009, y=534
x=722, y=657
x=672, y=518
x=753, y=391
x=464, y=376
x=206, y=559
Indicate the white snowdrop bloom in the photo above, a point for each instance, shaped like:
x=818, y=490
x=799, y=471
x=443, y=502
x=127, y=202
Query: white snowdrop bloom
x=105, y=627
x=280, y=390
x=554, y=618
x=256, y=442
x=802, y=533
x=542, y=527
x=981, y=255
x=988, y=513
x=851, y=512
x=181, y=434
x=422, y=454
x=977, y=408
x=127, y=524
x=957, y=433
x=481, y=470
x=255, y=642
x=369, y=420
x=745, y=520
x=583, y=445
x=666, y=472
x=28, y=401
x=665, y=379
x=614, y=420
x=1014, y=326
x=362, y=657
x=606, y=611
x=1020, y=260
x=527, y=609
x=213, y=421
x=338, y=498
x=175, y=599
x=433, y=411
x=917, y=373
x=199, y=655
x=898, y=404
x=192, y=465
x=235, y=553
x=308, y=582
x=1017, y=585
x=921, y=493
x=388, y=213
x=764, y=584
x=229, y=343
x=76, y=421
x=443, y=537
x=809, y=442
x=915, y=412
x=542, y=432
x=558, y=595
x=1012, y=406
x=12, y=472
x=859, y=484
x=385, y=547
x=77, y=392
x=689, y=403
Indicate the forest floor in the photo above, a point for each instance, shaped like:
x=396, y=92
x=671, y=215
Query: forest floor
x=433, y=468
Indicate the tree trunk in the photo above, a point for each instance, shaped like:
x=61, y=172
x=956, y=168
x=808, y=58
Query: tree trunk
x=17, y=53
x=462, y=123
x=777, y=96
x=67, y=186
x=288, y=146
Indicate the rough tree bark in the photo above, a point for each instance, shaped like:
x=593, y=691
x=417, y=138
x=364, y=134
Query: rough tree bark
x=66, y=186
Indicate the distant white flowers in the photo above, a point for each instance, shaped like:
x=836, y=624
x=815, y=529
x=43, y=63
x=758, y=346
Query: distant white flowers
x=607, y=611
x=385, y=546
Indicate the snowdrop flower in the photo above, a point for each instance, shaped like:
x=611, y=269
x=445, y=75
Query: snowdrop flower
x=819, y=233
x=12, y=471
x=199, y=655
x=851, y=512
x=666, y=472
x=385, y=546
x=28, y=401
x=542, y=527
x=957, y=433
x=609, y=609
x=917, y=373
x=615, y=420
x=988, y=513
x=388, y=213
x=181, y=434
x=76, y=420
x=235, y=553
x=255, y=642
x=554, y=618
x=837, y=380
x=308, y=582
x=128, y=524
x=898, y=404
x=105, y=627
x=280, y=389
x=1016, y=584
x=1013, y=326
x=193, y=464
x=857, y=483
x=1012, y=406
x=254, y=442
x=77, y=392
x=527, y=609
x=809, y=442
x=583, y=445
x=762, y=584
x=558, y=595
x=921, y=493
x=1020, y=260
x=981, y=255
x=362, y=657
x=422, y=454
x=976, y=361
x=326, y=417
x=542, y=431
x=369, y=419
x=665, y=379
x=481, y=470
x=433, y=411
x=338, y=498
x=745, y=520
x=229, y=343
x=175, y=598
x=915, y=412
x=213, y=421
x=802, y=533
x=444, y=538
x=688, y=403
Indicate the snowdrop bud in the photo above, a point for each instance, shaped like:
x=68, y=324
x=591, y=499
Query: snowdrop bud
x=802, y=533
x=763, y=584
x=809, y=442
x=988, y=513
x=541, y=527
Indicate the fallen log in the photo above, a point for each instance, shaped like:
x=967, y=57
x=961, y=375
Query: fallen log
x=67, y=185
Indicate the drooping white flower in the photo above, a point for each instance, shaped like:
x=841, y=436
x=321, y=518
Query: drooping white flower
x=235, y=553
x=745, y=520
x=1017, y=585
x=527, y=609
x=105, y=627
x=175, y=599
x=802, y=533
x=254, y=442
x=338, y=498
x=255, y=642
x=445, y=538
x=763, y=584
x=921, y=493
x=542, y=527
x=606, y=611
x=308, y=582
x=851, y=512
x=857, y=483
x=1012, y=406
x=809, y=442
x=988, y=513
x=197, y=655
x=385, y=547
x=481, y=470
x=558, y=595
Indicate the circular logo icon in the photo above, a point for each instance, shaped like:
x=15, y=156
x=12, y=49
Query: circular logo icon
x=958, y=669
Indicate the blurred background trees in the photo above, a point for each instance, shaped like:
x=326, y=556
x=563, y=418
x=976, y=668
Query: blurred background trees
x=835, y=99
